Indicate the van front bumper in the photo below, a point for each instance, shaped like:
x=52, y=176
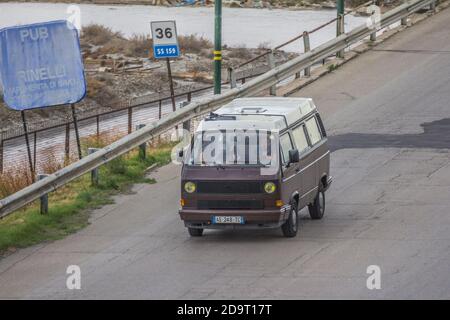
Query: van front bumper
x=252, y=218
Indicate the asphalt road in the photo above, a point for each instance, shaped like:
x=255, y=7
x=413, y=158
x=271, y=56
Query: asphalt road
x=387, y=113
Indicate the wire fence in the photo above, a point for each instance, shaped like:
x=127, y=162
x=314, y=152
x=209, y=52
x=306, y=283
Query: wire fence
x=57, y=141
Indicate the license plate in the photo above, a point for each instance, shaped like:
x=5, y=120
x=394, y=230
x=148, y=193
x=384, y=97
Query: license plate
x=228, y=219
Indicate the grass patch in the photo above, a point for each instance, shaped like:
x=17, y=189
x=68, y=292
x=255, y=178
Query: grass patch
x=70, y=205
x=332, y=67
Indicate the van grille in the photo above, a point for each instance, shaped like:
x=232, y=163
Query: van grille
x=230, y=204
x=229, y=187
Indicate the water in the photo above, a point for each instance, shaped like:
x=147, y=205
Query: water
x=241, y=27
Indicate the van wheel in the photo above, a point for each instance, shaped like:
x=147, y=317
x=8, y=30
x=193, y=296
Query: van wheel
x=290, y=227
x=317, y=208
x=195, y=232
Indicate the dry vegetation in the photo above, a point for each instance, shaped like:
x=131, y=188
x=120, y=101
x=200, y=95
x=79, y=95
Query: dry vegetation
x=98, y=35
x=240, y=52
x=12, y=181
x=138, y=46
x=194, y=44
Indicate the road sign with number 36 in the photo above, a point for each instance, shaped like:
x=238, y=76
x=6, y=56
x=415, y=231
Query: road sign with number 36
x=165, y=40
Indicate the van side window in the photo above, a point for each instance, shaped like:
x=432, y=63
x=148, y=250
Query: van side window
x=300, y=138
x=286, y=145
x=321, y=126
x=313, y=130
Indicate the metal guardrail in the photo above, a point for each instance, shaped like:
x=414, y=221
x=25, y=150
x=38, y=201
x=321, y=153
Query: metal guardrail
x=193, y=110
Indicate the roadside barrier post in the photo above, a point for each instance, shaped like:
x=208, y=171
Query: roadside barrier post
x=373, y=36
x=94, y=172
x=97, y=122
x=307, y=47
x=187, y=123
x=404, y=21
x=433, y=6
x=43, y=199
x=130, y=119
x=340, y=30
x=271, y=61
x=142, y=147
x=232, y=77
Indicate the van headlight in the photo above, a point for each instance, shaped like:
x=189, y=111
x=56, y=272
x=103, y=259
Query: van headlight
x=270, y=187
x=189, y=187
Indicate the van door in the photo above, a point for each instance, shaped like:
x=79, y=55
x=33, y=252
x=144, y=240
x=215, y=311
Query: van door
x=288, y=172
x=315, y=139
x=305, y=177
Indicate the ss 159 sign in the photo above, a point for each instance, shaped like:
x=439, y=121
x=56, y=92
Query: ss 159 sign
x=165, y=40
x=166, y=51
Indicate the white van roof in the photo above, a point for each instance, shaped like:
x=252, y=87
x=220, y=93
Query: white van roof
x=291, y=108
x=264, y=112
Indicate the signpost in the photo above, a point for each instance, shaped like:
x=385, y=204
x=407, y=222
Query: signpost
x=41, y=66
x=165, y=46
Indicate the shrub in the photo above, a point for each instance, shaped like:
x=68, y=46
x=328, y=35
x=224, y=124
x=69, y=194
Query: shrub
x=240, y=53
x=11, y=182
x=138, y=46
x=194, y=44
x=198, y=66
x=264, y=45
x=115, y=45
x=98, y=35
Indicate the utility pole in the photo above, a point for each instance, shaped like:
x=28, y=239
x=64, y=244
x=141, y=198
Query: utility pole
x=340, y=23
x=340, y=6
x=218, y=46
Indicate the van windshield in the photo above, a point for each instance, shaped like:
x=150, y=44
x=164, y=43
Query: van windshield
x=234, y=147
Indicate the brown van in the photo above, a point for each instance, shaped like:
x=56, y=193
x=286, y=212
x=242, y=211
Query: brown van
x=255, y=163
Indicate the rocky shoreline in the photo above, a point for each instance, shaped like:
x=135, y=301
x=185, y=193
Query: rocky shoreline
x=291, y=5
x=269, y=4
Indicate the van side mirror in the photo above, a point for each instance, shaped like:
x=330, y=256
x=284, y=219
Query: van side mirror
x=294, y=156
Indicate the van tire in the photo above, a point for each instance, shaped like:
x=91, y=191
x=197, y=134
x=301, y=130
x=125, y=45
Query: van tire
x=195, y=232
x=290, y=227
x=317, y=208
